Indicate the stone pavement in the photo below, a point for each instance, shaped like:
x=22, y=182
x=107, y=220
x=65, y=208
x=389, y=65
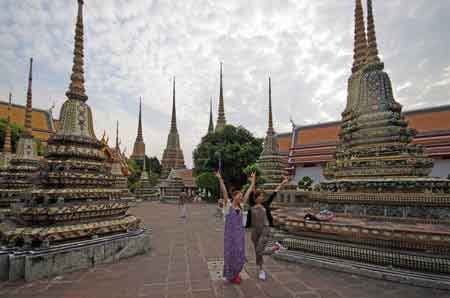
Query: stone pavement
x=182, y=263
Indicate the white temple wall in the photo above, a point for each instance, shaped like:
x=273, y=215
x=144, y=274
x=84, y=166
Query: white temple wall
x=315, y=172
x=441, y=168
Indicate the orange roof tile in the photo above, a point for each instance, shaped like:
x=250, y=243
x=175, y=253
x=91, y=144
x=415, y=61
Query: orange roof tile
x=425, y=121
x=42, y=124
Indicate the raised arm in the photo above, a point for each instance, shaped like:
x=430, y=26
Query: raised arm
x=251, y=187
x=285, y=180
x=272, y=196
x=223, y=189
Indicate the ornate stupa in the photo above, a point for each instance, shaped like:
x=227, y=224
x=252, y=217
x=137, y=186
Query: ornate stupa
x=173, y=157
x=272, y=165
x=172, y=187
x=145, y=189
x=76, y=200
x=119, y=167
x=221, y=121
x=21, y=174
x=387, y=210
x=139, y=145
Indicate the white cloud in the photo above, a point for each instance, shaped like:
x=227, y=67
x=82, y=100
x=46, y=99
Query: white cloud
x=132, y=49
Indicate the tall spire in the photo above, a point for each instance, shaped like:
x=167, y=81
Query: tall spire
x=360, y=45
x=76, y=87
x=211, y=123
x=221, y=121
x=372, y=51
x=270, y=129
x=7, y=148
x=117, y=136
x=173, y=123
x=29, y=106
x=140, y=137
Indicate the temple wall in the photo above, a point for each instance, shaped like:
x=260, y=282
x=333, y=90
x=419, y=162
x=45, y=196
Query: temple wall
x=441, y=168
x=316, y=173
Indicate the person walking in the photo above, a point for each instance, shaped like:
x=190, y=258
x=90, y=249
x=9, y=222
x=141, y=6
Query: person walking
x=261, y=221
x=234, y=233
x=182, y=199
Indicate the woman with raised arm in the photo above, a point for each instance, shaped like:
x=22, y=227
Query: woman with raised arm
x=261, y=223
x=234, y=233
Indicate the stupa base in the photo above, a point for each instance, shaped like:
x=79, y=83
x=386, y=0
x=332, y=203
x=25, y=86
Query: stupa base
x=428, y=280
x=59, y=259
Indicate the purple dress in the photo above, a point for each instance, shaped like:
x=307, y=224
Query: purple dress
x=234, y=244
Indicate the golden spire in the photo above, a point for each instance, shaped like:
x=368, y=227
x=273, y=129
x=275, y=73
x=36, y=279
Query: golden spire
x=29, y=106
x=76, y=87
x=372, y=51
x=360, y=43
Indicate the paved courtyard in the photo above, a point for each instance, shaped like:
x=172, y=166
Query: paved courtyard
x=185, y=261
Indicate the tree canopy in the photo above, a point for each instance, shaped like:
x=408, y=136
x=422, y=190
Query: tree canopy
x=234, y=147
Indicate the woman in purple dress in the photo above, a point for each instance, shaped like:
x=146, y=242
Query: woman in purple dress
x=234, y=234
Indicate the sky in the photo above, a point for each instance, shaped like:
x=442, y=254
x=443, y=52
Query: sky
x=134, y=47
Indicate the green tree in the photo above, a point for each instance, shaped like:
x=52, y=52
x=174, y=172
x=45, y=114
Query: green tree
x=250, y=169
x=135, y=170
x=15, y=132
x=234, y=147
x=207, y=181
x=153, y=165
x=305, y=183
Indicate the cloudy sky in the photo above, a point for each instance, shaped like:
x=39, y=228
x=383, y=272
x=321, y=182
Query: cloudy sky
x=133, y=47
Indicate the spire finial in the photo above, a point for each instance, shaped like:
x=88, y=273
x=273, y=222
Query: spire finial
x=221, y=86
x=270, y=130
x=140, y=137
x=76, y=87
x=221, y=121
x=7, y=147
x=29, y=106
x=117, y=136
x=173, y=123
x=211, y=123
x=372, y=51
x=360, y=43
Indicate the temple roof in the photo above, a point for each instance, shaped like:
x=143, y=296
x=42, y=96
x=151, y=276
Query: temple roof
x=42, y=123
x=318, y=141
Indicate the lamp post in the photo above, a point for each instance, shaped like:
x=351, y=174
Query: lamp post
x=219, y=156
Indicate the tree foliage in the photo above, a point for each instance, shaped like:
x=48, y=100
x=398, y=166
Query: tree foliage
x=207, y=181
x=305, y=183
x=235, y=147
x=16, y=130
x=153, y=167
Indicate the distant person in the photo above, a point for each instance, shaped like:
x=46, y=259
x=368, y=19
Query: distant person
x=234, y=233
x=182, y=199
x=261, y=219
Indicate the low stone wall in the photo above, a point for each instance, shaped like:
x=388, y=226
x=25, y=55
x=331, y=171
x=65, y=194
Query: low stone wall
x=33, y=265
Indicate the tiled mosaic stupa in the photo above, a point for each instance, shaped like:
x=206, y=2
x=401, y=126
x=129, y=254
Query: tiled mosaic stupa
x=76, y=200
x=388, y=211
x=173, y=157
x=272, y=165
x=22, y=171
